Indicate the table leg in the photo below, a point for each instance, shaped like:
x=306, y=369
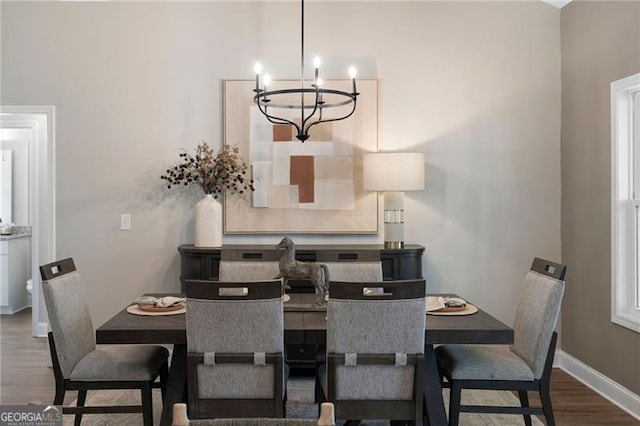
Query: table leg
x=435, y=413
x=176, y=383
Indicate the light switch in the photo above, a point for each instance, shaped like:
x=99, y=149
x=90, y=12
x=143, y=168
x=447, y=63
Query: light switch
x=125, y=222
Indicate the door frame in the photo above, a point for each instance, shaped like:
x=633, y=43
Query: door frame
x=42, y=195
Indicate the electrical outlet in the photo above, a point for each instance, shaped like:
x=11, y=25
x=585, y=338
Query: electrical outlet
x=125, y=222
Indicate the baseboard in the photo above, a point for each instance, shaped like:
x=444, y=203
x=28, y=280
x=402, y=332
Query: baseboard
x=607, y=388
x=9, y=310
x=42, y=329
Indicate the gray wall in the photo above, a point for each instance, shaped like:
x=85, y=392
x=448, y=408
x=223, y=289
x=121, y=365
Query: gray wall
x=600, y=44
x=475, y=86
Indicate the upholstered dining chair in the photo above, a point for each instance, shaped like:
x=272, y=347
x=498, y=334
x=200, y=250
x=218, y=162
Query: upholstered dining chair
x=345, y=271
x=375, y=350
x=79, y=365
x=524, y=366
x=326, y=418
x=235, y=346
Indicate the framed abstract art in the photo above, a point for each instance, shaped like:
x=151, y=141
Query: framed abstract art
x=313, y=187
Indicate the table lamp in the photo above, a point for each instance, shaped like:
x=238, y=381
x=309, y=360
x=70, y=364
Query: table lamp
x=393, y=173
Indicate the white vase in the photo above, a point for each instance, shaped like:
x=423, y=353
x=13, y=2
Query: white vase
x=208, y=219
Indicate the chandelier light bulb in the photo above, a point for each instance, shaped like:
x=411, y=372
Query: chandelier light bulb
x=316, y=62
x=319, y=82
x=258, y=68
x=352, y=72
x=266, y=80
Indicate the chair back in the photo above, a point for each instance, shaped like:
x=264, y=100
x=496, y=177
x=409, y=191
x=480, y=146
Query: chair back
x=246, y=319
x=364, y=323
x=250, y=270
x=537, y=312
x=355, y=271
x=69, y=317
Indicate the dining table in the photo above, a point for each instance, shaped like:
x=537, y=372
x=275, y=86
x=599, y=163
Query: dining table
x=303, y=324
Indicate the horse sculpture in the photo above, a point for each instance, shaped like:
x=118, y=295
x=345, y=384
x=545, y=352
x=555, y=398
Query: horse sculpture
x=290, y=268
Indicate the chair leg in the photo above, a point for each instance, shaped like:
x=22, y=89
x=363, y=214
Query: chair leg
x=58, y=399
x=454, y=403
x=147, y=404
x=284, y=403
x=82, y=397
x=164, y=376
x=524, y=402
x=318, y=394
x=547, y=409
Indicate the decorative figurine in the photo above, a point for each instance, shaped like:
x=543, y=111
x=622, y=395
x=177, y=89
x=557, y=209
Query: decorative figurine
x=290, y=268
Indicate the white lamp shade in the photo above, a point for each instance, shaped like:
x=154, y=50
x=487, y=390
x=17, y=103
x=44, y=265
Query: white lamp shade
x=393, y=171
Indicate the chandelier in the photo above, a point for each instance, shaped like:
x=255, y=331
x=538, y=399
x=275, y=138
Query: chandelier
x=315, y=103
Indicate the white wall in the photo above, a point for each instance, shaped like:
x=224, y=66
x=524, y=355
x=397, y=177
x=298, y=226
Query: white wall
x=475, y=86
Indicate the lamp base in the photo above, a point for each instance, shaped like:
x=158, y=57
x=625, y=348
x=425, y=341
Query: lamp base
x=394, y=245
x=394, y=219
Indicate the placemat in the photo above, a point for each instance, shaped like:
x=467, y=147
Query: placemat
x=469, y=309
x=135, y=310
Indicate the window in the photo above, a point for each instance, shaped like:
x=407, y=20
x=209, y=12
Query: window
x=625, y=202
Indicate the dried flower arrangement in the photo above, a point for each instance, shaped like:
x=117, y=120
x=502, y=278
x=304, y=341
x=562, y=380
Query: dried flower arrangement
x=215, y=173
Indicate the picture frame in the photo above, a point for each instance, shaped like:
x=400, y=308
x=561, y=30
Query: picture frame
x=313, y=187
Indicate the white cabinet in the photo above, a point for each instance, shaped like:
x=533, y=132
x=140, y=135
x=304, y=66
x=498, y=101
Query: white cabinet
x=14, y=272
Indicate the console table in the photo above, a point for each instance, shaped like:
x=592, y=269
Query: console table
x=397, y=264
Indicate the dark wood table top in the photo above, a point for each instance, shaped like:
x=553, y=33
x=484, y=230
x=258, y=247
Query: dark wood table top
x=303, y=325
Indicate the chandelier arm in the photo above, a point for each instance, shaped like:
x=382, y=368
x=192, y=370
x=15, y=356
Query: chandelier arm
x=277, y=120
x=311, y=114
x=306, y=130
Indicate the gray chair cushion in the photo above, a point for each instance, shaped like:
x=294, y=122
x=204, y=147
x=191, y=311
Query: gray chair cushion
x=481, y=362
x=536, y=316
x=129, y=363
x=235, y=325
x=235, y=381
x=355, y=271
x=381, y=326
x=371, y=382
x=234, y=271
x=70, y=320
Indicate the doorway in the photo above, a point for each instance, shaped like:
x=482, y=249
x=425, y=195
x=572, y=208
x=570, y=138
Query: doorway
x=38, y=124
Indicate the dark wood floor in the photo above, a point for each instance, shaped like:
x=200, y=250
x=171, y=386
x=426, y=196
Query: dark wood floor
x=25, y=376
